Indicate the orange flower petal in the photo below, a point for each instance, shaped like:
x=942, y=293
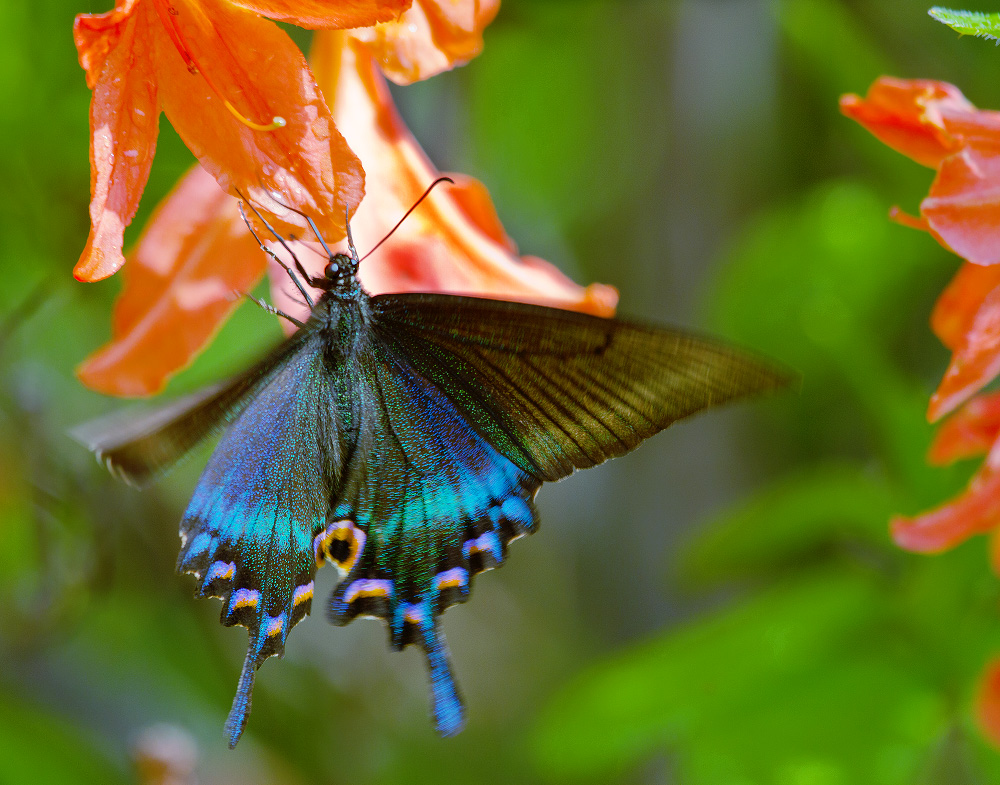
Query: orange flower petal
x=956, y=308
x=988, y=702
x=124, y=114
x=969, y=432
x=95, y=35
x=976, y=511
x=963, y=207
x=253, y=65
x=179, y=288
x=909, y=116
x=903, y=218
x=453, y=242
x=323, y=13
x=975, y=362
x=433, y=36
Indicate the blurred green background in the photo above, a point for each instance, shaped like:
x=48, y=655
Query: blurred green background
x=722, y=607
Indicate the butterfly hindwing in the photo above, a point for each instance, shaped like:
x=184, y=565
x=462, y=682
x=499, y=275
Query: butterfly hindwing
x=437, y=503
x=469, y=405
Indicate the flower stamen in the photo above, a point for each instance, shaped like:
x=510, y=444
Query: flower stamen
x=168, y=15
x=276, y=122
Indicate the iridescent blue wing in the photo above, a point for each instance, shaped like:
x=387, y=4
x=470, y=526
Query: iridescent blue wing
x=249, y=531
x=469, y=405
x=425, y=503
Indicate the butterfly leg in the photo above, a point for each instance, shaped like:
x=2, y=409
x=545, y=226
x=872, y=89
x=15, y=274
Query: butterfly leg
x=273, y=255
x=272, y=310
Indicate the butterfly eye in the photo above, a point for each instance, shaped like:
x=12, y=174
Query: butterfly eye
x=332, y=270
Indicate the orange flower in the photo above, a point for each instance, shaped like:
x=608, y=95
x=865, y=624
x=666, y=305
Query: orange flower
x=967, y=320
x=431, y=37
x=988, y=702
x=237, y=90
x=180, y=278
x=180, y=285
x=972, y=431
x=933, y=123
x=454, y=242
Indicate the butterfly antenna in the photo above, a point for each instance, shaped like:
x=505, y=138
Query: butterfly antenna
x=269, y=252
x=350, y=239
x=416, y=204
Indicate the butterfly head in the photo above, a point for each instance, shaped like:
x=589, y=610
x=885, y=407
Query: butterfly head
x=339, y=275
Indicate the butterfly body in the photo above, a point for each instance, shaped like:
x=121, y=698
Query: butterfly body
x=402, y=438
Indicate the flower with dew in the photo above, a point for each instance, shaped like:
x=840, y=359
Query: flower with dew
x=934, y=124
x=196, y=250
x=239, y=93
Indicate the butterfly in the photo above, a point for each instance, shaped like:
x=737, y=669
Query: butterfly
x=402, y=438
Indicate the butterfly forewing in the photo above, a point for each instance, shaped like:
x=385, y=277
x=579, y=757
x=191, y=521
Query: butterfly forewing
x=556, y=390
x=138, y=446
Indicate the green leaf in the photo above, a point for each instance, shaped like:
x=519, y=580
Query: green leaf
x=969, y=22
x=695, y=680
x=831, y=44
x=822, y=506
x=827, y=267
x=38, y=747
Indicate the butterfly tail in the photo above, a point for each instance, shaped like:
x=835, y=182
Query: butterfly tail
x=236, y=722
x=267, y=640
x=448, y=708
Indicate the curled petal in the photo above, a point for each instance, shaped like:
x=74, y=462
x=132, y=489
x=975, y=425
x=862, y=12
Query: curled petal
x=433, y=36
x=971, y=431
x=218, y=64
x=124, y=115
x=963, y=207
x=454, y=241
x=324, y=14
x=975, y=511
x=956, y=308
x=975, y=362
x=95, y=35
x=182, y=282
x=988, y=702
x=909, y=116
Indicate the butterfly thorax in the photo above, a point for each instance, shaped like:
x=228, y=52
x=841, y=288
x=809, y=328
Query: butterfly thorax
x=343, y=318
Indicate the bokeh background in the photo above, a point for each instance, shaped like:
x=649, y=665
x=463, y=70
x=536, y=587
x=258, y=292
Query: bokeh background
x=722, y=607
